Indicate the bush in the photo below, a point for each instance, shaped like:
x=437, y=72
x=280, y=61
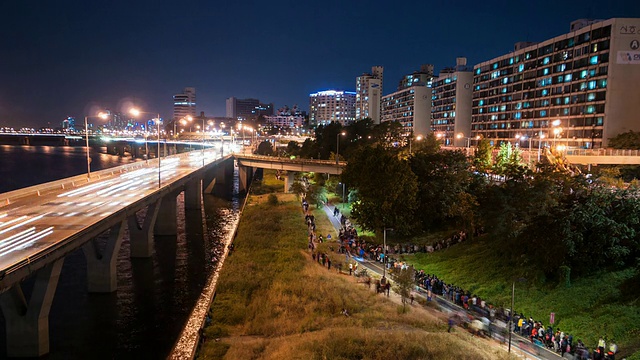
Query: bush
x=272, y=199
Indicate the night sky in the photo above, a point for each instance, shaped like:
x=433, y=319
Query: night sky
x=68, y=58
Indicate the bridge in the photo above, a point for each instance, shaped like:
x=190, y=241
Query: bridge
x=42, y=224
x=247, y=163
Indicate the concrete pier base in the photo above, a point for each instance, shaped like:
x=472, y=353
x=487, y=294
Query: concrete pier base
x=101, y=264
x=245, y=174
x=288, y=181
x=193, y=195
x=27, y=323
x=167, y=223
x=141, y=236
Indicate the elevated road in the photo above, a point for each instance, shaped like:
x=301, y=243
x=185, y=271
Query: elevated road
x=40, y=224
x=287, y=164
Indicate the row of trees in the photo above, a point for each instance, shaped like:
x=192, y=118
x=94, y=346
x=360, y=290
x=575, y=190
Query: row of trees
x=550, y=215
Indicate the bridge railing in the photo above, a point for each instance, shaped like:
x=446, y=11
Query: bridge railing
x=291, y=161
x=37, y=190
x=602, y=152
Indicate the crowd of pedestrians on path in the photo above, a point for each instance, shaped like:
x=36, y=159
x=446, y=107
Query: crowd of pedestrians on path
x=540, y=335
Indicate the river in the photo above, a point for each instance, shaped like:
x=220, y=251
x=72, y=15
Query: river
x=144, y=317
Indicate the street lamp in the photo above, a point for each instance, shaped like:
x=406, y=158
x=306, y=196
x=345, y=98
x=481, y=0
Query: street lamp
x=525, y=137
x=513, y=296
x=384, y=251
x=338, y=146
x=343, y=198
x=542, y=136
x=418, y=138
x=86, y=136
x=183, y=121
x=461, y=136
x=137, y=112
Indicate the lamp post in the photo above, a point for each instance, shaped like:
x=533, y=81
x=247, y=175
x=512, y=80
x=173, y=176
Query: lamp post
x=513, y=296
x=86, y=136
x=540, y=145
x=338, y=146
x=137, y=112
x=418, y=138
x=384, y=251
x=343, y=191
x=556, y=130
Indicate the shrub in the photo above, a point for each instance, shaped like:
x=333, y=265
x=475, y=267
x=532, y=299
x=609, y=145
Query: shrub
x=272, y=199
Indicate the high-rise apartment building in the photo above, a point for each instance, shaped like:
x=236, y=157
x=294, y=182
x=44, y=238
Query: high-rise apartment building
x=578, y=89
x=368, y=94
x=451, y=104
x=411, y=107
x=184, y=104
x=332, y=105
x=417, y=78
x=247, y=109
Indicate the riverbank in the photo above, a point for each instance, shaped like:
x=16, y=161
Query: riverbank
x=603, y=304
x=274, y=301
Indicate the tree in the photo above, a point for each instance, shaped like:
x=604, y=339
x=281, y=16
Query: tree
x=298, y=188
x=386, y=189
x=404, y=285
x=293, y=148
x=627, y=140
x=265, y=148
x=444, y=178
x=483, y=158
x=389, y=134
x=316, y=194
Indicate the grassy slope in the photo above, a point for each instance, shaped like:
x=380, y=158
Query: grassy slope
x=591, y=307
x=273, y=302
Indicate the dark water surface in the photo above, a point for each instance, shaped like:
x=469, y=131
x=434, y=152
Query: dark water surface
x=144, y=317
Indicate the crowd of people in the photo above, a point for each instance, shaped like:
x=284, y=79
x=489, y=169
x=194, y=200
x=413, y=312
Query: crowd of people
x=543, y=336
x=539, y=334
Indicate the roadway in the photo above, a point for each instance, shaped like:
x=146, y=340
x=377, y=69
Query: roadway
x=36, y=221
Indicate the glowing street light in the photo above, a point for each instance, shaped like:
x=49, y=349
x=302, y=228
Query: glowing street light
x=338, y=146
x=86, y=136
x=418, y=138
x=542, y=136
x=136, y=112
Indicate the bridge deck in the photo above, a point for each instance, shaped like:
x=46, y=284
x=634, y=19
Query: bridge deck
x=36, y=219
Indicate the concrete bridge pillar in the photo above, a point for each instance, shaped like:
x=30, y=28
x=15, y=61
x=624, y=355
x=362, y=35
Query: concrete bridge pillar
x=288, y=181
x=167, y=223
x=193, y=194
x=27, y=322
x=101, y=264
x=245, y=173
x=141, y=236
x=219, y=178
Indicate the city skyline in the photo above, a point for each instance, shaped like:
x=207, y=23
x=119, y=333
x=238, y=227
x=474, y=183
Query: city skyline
x=68, y=58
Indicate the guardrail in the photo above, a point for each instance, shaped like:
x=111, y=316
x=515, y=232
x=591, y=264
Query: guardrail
x=602, y=152
x=38, y=190
x=291, y=161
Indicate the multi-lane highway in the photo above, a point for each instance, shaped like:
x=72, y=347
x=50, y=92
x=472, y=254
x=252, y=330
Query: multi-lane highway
x=36, y=219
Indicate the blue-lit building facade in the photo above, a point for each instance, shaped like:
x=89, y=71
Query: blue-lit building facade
x=578, y=89
x=332, y=105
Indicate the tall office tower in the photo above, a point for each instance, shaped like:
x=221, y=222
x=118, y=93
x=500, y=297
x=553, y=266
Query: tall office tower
x=332, y=105
x=578, y=89
x=417, y=78
x=451, y=104
x=184, y=104
x=247, y=109
x=368, y=94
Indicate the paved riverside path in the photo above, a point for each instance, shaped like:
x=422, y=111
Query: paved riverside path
x=522, y=344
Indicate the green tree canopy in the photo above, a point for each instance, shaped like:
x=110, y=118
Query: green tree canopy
x=386, y=190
